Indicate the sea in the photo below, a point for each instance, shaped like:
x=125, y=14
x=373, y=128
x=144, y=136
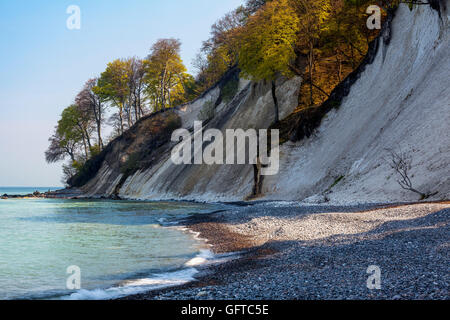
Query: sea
x=95, y=249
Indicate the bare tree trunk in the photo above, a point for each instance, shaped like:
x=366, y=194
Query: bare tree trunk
x=339, y=62
x=257, y=176
x=168, y=98
x=88, y=139
x=311, y=64
x=99, y=134
x=129, y=120
x=86, y=152
x=140, y=111
x=135, y=104
x=98, y=122
x=275, y=101
x=121, y=119
x=71, y=154
x=163, y=87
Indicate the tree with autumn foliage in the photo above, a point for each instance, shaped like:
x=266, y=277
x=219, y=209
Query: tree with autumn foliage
x=77, y=124
x=166, y=75
x=321, y=41
x=221, y=51
x=113, y=87
x=313, y=20
x=268, y=43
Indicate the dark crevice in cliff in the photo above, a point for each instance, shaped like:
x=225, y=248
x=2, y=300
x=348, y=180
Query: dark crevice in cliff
x=438, y=5
x=258, y=178
x=275, y=102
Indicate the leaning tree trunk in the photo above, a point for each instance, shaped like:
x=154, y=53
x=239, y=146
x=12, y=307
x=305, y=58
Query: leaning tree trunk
x=129, y=120
x=99, y=134
x=121, y=119
x=163, y=87
x=136, y=111
x=88, y=139
x=98, y=122
x=86, y=152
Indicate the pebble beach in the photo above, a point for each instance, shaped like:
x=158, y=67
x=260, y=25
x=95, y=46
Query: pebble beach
x=286, y=251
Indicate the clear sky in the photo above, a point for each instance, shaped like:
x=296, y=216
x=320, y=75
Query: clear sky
x=43, y=64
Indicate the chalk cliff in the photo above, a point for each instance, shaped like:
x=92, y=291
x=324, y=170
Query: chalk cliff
x=398, y=101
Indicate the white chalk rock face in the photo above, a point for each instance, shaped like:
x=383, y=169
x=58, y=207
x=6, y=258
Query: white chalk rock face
x=251, y=108
x=401, y=102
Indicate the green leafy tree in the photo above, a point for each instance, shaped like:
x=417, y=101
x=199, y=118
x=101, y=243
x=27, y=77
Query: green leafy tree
x=165, y=73
x=61, y=147
x=268, y=43
x=113, y=86
x=220, y=52
x=72, y=135
x=76, y=125
x=313, y=15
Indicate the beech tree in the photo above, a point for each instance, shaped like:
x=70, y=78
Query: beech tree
x=91, y=103
x=268, y=41
x=344, y=39
x=71, y=134
x=137, y=85
x=312, y=17
x=221, y=51
x=165, y=72
x=113, y=86
x=254, y=5
x=76, y=125
x=60, y=147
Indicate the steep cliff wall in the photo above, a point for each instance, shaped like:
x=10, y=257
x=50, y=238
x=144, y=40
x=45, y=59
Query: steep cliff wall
x=251, y=106
x=399, y=102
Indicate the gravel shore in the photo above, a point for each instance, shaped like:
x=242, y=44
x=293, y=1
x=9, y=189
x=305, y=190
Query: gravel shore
x=290, y=251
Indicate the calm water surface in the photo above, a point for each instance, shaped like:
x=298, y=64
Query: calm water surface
x=119, y=247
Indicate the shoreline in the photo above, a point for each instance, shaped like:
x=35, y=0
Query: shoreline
x=320, y=252
x=293, y=251
x=223, y=242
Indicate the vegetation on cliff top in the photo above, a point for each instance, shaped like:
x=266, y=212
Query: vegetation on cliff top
x=323, y=41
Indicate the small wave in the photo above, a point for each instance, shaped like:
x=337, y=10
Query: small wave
x=157, y=281
x=202, y=258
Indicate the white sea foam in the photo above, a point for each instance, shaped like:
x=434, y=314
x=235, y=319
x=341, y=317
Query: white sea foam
x=157, y=281
x=202, y=258
x=154, y=282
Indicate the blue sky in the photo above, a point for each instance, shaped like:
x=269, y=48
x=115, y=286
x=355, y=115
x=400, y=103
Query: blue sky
x=43, y=64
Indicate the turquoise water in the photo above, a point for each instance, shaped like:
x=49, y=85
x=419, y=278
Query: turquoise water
x=119, y=247
x=19, y=191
